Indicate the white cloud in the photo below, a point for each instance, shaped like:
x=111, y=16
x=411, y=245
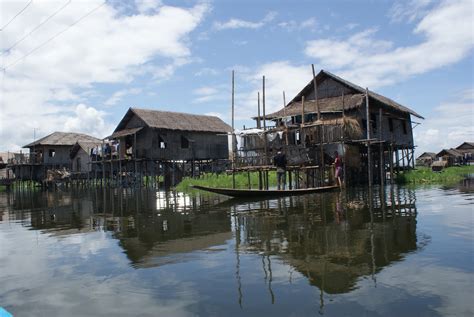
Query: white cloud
x=409, y=10
x=448, y=125
x=205, y=91
x=118, y=95
x=106, y=47
x=243, y=24
x=211, y=93
x=206, y=71
x=88, y=119
x=291, y=25
x=147, y=6
x=448, y=38
x=279, y=76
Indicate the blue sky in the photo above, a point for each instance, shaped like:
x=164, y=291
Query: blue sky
x=79, y=65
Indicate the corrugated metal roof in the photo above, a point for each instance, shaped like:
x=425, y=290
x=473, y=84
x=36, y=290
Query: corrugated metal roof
x=63, y=138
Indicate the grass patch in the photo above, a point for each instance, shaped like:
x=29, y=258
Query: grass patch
x=424, y=175
x=224, y=181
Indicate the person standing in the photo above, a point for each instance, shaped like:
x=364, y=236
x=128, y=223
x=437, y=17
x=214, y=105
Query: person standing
x=279, y=160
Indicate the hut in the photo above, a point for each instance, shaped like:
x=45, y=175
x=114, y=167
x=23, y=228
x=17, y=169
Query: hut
x=166, y=135
x=450, y=156
x=332, y=114
x=467, y=149
x=426, y=159
x=81, y=155
x=51, y=152
x=153, y=141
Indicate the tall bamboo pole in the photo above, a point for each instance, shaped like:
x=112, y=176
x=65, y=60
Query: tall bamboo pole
x=258, y=109
x=316, y=92
x=284, y=113
x=320, y=129
x=343, y=137
x=264, y=121
x=369, y=152
x=233, y=135
x=382, y=163
x=302, y=113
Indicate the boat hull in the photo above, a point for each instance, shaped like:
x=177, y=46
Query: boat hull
x=264, y=193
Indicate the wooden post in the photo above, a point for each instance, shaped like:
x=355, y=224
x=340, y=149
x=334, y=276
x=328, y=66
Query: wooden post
x=135, y=154
x=381, y=159
x=233, y=135
x=258, y=107
x=103, y=162
x=320, y=129
x=302, y=114
x=264, y=121
x=344, y=137
x=369, y=153
x=284, y=113
x=391, y=163
x=316, y=92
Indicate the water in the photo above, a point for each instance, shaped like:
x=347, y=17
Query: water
x=409, y=252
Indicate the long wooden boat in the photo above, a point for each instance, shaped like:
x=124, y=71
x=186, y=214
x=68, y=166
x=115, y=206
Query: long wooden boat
x=264, y=193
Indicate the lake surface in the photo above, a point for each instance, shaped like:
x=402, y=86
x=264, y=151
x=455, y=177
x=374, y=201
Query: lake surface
x=397, y=252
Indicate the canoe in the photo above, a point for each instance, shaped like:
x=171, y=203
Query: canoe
x=264, y=193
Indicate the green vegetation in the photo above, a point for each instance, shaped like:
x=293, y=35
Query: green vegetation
x=424, y=175
x=224, y=181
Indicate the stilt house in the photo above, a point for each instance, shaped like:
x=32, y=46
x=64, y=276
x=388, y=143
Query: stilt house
x=51, y=152
x=330, y=114
x=171, y=136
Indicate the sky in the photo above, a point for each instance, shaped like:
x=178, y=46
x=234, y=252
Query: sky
x=78, y=65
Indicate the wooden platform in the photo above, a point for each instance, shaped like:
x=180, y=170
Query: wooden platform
x=264, y=193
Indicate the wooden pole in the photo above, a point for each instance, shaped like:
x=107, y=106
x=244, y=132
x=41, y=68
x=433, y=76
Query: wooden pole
x=103, y=162
x=369, y=153
x=233, y=135
x=258, y=107
x=343, y=137
x=286, y=126
x=316, y=92
x=264, y=121
x=391, y=163
x=302, y=113
x=381, y=159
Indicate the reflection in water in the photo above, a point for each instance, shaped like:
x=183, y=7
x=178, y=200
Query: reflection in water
x=332, y=240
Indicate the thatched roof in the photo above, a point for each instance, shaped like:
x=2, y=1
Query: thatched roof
x=86, y=146
x=449, y=152
x=466, y=145
x=168, y=120
x=427, y=155
x=123, y=133
x=63, y=138
x=322, y=75
x=333, y=104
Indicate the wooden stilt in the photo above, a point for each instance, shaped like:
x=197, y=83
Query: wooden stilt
x=369, y=152
x=381, y=153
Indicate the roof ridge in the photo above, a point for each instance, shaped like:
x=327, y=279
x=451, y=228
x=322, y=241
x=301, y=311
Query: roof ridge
x=175, y=112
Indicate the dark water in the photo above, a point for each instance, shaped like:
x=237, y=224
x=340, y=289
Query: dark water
x=400, y=252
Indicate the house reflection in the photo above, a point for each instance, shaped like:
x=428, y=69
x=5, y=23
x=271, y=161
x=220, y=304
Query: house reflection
x=331, y=239
x=148, y=224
